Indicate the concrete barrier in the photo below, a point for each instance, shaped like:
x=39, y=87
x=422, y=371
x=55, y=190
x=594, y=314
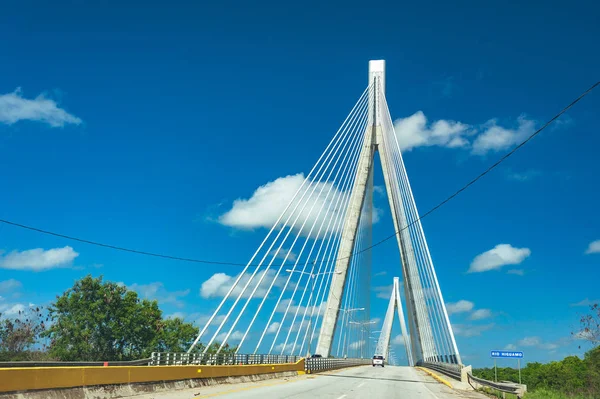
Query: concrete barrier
x=14, y=380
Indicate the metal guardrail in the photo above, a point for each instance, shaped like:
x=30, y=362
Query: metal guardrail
x=455, y=371
x=140, y=362
x=182, y=359
x=500, y=386
x=449, y=369
x=317, y=364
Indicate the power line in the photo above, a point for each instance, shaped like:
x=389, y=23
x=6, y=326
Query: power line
x=193, y=260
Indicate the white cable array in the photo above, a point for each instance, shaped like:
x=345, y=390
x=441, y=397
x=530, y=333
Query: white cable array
x=422, y=318
x=438, y=315
x=438, y=329
x=281, y=324
x=345, y=186
x=354, y=153
x=313, y=179
x=331, y=187
x=311, y=223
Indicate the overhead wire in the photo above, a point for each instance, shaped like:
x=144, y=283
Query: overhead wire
x=387, y=238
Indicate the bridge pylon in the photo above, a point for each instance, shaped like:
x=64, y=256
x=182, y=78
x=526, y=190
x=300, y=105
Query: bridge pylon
x=431, y=334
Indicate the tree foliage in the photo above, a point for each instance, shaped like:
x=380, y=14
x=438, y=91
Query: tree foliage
x=572, y=375
x=174, y=335
x=101, y=320
x=19, y=335
x=96, y=320
x=590, y=326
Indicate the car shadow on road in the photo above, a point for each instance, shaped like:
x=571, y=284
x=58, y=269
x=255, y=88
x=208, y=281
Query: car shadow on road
x=379, y=378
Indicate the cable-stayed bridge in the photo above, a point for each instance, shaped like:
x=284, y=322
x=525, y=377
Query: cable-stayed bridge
x=306, y=288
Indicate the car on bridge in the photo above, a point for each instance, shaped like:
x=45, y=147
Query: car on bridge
x=378, y=361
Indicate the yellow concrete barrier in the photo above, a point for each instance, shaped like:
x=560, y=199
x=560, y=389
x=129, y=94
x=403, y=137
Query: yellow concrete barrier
x=36, y=378
x=437, y=377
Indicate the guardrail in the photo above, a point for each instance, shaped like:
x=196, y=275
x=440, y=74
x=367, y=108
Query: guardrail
x=513, y=388
x=140, y=362
x=314, y=365
x=451, y=370
x=84, y=381
x=456, y=371
x=183, y=359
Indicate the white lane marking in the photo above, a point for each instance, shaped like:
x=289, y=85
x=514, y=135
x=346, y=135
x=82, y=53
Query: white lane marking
x=363, y=383
x=341, y=397
x=434, y=395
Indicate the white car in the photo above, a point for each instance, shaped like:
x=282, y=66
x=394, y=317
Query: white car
x=378, y=361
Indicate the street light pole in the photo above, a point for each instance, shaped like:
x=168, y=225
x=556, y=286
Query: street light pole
x=312, y=290
x=311, y=277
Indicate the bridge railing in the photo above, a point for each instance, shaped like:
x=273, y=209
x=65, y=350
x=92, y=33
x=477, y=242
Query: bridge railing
x=140, y=362
x=506, y=387
x=449, y=369
x=314, y=365
x=183, y=359
x=462, y=373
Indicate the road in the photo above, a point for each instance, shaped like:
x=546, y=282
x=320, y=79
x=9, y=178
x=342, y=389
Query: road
x=358, y=382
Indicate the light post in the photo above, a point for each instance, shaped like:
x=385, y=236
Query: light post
x=363, y=330
x=311, y=277
x=344, y=346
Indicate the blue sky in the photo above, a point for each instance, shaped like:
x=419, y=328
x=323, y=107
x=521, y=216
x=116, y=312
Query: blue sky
x=139, y=125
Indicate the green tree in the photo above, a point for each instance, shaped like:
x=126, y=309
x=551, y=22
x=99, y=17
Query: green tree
x=98, y=320
x=19, y=335
x=590, y=326
x=175, y=336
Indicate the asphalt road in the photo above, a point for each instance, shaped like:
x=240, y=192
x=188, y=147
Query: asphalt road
x=358, y=382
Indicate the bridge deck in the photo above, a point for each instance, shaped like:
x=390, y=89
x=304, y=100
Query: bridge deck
x=359, y=382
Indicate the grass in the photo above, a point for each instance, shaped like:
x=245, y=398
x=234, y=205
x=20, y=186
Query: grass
x=543, y=393
x=498, y=394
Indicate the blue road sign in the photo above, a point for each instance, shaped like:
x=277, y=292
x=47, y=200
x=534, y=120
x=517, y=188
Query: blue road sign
x=506, y=354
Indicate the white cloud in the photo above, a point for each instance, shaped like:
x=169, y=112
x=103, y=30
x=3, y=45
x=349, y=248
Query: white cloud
x=379, y=190
x=269, y=201
x=383, y=291
x=460, y=306
x=375, y=320
x=219, y=284
x=510, y=347
x=11, y=309
x=14, y=108
x=529, y=341
x=593, y=248
x=414, y=131
x=380, y=274
x=587, y=302
x=279, y=348
x=523, y=176
x=9, y=285
x=157, y=291
x=398, y=340
x=282, y=253
x=498, y=138
x=470, y=330
x=201, y=319
x=235, y=336
x=357, y=344
x=586, y=335
x=536, y=342
x=38, y=259
x=176, y=315
x=500, y=255
x=315, y=205
x=518, y=272
x=481, y=314
x=314, y=309
x=273, y=328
